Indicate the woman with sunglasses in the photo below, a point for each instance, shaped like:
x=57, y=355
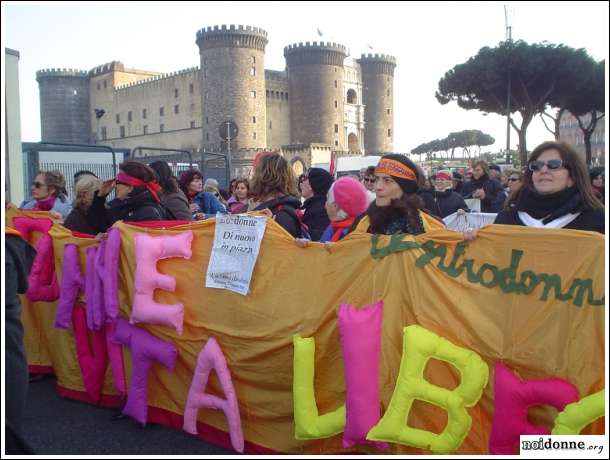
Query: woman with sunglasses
x=49, y=194
x=555, y=193
x=137, y=198
x=514, y=182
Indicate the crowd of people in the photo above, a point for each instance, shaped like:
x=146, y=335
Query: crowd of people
x=554, y=190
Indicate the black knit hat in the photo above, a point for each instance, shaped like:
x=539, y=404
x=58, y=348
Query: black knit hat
x=320, y=180
x=408, y=186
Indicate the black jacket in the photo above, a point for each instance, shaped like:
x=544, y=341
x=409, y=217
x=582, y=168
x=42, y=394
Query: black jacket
x=141, y=207
x=18, y=259
x=284, y=209
x=590, y=219
x=494, y=193
x=442, y=204
x=77, y=221
x=315, y=216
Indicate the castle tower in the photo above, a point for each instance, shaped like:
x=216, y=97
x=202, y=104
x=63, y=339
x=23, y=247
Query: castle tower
x=64, y=105
x=378, y=97
x=315, y=87
x=233, y=84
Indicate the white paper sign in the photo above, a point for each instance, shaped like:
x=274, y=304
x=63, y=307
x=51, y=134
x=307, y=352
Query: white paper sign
x=474, y=204
x=237, y=240
x=468, y=220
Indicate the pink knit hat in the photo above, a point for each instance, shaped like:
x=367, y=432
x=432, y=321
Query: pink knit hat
x=350, y=196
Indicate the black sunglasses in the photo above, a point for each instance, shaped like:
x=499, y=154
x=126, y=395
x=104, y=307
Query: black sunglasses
x=513, y=179
x=37, y=184
x=552, y=165
x=369, y=179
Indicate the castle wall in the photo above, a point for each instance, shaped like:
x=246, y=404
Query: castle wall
x=278, y=109
x=315, y=76
x=64, y=106
x=149, y=110
x=233, y=84
x=378, y=97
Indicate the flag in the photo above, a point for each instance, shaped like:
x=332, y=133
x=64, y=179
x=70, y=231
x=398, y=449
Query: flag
x=332, y=166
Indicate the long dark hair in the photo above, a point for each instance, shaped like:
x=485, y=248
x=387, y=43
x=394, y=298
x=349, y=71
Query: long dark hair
x=165, y=176
x=187, y=177
x=407, y=206
x=572, y=162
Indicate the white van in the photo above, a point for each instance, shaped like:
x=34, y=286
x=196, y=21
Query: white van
x=352, y=165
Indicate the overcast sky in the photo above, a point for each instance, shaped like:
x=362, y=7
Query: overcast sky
x=427, y=40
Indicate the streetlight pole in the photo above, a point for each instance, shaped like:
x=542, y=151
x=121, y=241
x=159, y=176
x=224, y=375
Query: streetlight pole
x=229, y=150
x=509, y=42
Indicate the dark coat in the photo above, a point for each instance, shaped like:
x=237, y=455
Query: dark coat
x=176, y=205
x=141, y=207
x=442, y=204
x=494, y=193
x=19, y=257
x=77, y=221
x=592, y=220
x=315, y=216
x=284, y=209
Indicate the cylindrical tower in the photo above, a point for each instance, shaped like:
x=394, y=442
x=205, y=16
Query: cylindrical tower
x=315, y=89
x=64, y=105
x=233, y=84
x=378, y=97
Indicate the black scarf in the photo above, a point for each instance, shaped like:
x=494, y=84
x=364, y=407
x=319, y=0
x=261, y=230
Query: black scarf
x=550, y=206
x=480, y=182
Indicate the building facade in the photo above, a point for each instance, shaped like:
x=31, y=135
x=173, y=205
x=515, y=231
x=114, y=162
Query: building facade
x=570, y=132
x=324, y=100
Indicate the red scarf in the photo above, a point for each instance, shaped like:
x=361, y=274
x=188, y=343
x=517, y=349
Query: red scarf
x=338, y=227
x=46, y=204
x=151, y=186
x=191, y=195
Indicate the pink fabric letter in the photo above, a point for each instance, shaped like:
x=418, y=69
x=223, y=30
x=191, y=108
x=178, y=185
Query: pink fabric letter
x=72, y=282
x=361, y=345
x=93, y=293
x=512, y=400
x=145, y=349
x=111, y=251
x=42, y=279
x=92, y=362
x=148, y=251
x=211, y=357
x=115, y=354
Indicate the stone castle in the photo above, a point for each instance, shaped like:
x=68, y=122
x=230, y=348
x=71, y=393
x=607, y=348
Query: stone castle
x=323, y=101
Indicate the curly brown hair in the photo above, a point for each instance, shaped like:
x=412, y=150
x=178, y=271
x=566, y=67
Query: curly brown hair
x=56, y=180
x=273, y=176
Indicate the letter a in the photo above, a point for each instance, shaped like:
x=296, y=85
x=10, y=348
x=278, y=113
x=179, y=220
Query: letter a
x=211, y=357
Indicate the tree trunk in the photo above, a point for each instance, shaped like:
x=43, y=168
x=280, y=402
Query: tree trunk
x=527, y=119
x=587, y=136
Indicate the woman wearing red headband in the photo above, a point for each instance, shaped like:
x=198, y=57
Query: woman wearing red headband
x=136, y=200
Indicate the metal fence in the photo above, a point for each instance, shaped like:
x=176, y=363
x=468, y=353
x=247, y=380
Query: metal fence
x=101, y=170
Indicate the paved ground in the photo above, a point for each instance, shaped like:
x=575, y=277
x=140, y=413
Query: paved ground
x=62, y=426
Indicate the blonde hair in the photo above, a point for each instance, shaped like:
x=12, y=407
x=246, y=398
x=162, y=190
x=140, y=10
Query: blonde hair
x=84, y=190
x=273, y=176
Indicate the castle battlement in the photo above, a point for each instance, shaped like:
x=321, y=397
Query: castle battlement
x=322, y=46
x=232, y=28
x=378, y=57
x=279, y=75
x=46, y=73
x=156, y=78
x=106, y=68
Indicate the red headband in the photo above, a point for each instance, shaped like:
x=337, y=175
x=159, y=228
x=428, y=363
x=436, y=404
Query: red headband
x=152, y=187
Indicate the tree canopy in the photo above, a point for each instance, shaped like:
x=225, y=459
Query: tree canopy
x=461, y=139
x=537, y=73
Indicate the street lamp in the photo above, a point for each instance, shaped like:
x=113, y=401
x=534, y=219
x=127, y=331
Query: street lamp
x=509, y=42
x=99, y=113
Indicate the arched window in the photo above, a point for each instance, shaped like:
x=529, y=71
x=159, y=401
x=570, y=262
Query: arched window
x=351, y=97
